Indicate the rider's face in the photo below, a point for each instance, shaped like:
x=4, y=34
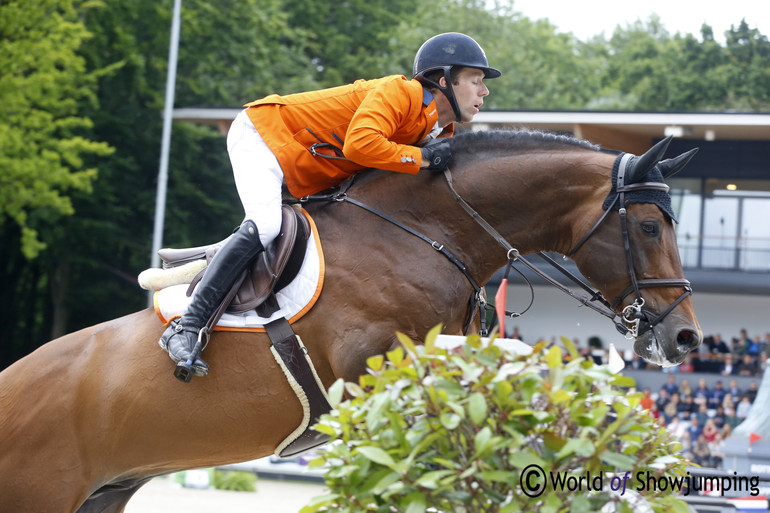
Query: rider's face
x=470, y=91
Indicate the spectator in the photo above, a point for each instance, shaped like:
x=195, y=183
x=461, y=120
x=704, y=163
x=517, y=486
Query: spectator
x=731, y=419
x=728, y=368
x=710, y=430
x=654, y=411
x=647, y=400
x=686, y=408
x=663, y=397
x=746, y=345
x=719, y=417
x=717, y=395
x=677, y=428
x=752, y=391
x=671, y=386
x=702, y=452
x=671, y=410
x=702, y=414
x=733, y=390
x=702, y=394
x=743, y=409
x=747, y=367
x=684, y=389
x=637, y=363
x=762, y=364
x=695, y=429
x=718, y=346
x=764, y=347
x=686, y=365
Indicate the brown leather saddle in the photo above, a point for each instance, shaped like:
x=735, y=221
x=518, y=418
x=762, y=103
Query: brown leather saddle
x=270, y=272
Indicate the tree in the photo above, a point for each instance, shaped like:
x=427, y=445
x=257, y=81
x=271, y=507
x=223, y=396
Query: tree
x=44, y=147
x=47, y=154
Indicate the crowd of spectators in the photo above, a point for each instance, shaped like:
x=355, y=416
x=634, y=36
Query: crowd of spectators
x=700, y=417
x=743, y=356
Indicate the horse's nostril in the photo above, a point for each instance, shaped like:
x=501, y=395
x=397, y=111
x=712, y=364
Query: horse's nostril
x=687, y=340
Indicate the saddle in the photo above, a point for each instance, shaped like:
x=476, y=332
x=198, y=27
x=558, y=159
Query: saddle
x=270, y=272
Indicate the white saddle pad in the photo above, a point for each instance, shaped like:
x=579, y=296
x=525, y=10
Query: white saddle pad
x=295, y=299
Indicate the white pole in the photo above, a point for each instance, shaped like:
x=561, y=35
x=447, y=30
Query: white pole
x=160, y=199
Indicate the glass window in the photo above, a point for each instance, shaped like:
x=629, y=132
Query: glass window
x=755, y=235
x=686, y=201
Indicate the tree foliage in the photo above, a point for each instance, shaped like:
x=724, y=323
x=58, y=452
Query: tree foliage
x=484, y=430
x=80, y=79
x=44, y=145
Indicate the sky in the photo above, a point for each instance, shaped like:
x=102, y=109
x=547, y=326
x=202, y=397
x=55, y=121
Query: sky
x=586, y=18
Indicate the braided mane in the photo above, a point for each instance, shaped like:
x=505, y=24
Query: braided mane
x=515, y=141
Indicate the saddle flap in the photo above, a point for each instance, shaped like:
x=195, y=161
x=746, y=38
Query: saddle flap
x=272, y=270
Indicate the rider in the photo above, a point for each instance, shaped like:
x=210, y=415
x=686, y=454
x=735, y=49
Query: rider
x=313, y=141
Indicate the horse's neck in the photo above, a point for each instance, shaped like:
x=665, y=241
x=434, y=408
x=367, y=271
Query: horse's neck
x=541, y=201
x=537, y=201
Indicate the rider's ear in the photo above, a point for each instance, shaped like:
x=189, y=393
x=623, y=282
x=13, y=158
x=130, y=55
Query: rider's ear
x=670, y=167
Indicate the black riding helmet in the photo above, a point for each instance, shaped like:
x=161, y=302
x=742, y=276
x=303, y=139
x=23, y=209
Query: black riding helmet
x=445, y=51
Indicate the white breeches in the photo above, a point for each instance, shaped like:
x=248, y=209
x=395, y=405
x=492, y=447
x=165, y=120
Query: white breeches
x=258, y=177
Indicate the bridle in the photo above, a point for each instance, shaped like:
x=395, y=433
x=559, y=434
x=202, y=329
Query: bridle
x=634, y=320
x=635, y=313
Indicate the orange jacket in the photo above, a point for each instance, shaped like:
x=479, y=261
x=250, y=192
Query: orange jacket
x=375, y=123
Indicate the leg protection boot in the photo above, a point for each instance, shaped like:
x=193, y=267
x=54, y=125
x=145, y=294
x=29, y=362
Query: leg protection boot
x=182, y=335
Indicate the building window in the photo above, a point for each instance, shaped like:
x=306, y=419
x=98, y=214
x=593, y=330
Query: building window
x=723, y=223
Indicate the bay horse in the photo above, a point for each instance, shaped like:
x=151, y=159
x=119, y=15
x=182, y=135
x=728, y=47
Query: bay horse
x=87, y=419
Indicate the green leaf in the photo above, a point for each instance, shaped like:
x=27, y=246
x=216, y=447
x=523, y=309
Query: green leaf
x=450, y=420
x=377, y=455
x=431, y=479
x=375, y=362
x=430, y=339
x=335, y=392
x=620, y=461
x=416, y=503
x=477, y=408
x=580, y=446
x=554, y=357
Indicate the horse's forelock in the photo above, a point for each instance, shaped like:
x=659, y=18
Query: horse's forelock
x=516, y=141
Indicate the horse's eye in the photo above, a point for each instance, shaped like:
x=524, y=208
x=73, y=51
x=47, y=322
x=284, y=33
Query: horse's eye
x=650, y=228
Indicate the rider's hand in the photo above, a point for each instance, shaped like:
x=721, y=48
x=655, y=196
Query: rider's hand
x=436, y=155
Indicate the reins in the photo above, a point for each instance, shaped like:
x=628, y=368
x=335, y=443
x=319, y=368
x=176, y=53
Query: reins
x=478, y=297
x=631, y=316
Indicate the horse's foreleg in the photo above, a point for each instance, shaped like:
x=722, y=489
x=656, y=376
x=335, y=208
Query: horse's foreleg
x=112, y=498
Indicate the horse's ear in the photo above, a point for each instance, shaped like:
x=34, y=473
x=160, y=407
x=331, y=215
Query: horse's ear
x=646, y=162
x=670, y=167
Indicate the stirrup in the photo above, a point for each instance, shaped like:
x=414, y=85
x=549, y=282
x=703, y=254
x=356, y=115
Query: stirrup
x=185, y=370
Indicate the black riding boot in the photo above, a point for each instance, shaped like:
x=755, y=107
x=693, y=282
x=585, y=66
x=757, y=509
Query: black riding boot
x=180, y=337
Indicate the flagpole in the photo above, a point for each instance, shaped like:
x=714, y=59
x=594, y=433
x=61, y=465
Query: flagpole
x=160, y=198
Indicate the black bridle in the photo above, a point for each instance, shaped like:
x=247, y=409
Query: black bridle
x=632, y=316
x=635, y=313
x=636, y=319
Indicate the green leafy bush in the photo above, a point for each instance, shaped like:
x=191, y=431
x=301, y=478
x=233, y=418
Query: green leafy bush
x=467, y=431
x=234, y=480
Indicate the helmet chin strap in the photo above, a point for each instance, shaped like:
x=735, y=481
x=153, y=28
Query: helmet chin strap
x=449, y=92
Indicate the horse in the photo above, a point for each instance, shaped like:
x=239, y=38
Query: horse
x=88, y=418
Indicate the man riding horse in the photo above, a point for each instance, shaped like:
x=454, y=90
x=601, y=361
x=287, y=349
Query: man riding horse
x=389, y=123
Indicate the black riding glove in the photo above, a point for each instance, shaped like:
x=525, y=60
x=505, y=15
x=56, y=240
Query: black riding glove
x=438, y=155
